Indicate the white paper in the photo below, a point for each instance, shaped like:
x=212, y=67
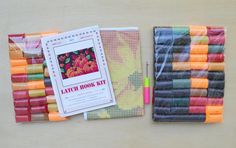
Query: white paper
x=78, y=71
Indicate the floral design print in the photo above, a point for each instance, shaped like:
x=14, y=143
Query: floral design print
x=77, y=63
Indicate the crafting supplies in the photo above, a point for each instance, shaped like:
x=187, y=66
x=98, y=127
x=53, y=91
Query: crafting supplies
x=32, y=92
x=78, y=70
x=146, y=90
x=122, y=49
x=188, y=74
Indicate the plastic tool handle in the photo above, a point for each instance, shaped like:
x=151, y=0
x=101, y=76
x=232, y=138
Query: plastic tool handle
x=146, y=90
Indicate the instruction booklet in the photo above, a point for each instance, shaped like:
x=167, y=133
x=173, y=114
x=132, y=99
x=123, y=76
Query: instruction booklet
x=78, y=71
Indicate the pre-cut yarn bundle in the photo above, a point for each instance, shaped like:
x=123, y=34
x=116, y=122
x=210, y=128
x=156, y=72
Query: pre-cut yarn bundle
x=188, y=74
x=32, y=91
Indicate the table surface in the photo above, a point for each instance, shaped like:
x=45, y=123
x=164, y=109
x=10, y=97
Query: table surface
x=19, y=16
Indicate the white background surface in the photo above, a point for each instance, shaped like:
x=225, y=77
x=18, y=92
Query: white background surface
x=19, y=16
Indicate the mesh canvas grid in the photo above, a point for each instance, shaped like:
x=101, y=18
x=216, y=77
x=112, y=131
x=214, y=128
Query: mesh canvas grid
x=122, y=49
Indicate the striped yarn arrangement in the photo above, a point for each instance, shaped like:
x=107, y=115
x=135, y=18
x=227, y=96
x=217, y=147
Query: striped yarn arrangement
x=33, y=95
x=188, y=74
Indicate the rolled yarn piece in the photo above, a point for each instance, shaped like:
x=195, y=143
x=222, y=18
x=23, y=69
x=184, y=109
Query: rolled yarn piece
x=35, y=60
x=180, y=102
x=19, y=86
x=22, y=118
x=216, y=49
x=212, y=75
x=54, y=116
x=181, y=93
x=217, y=84
x=171, y=110
x=21, y=103
x=181, y=75
x=181, y=40
x=215, y=31
x=215, y=102
x=214, y=118
x=181, y=66
x=199, y=74
x=162, y=57
x=35, y=68
x=199, y=65
x=19, y=78
x=22, y=110
x=164, y=85
x=51, y=99
x=163, y=31
x=163, y=49
x=38, y=101
x=36, y=85
x=216, y=66
x=180, y=57
x=199, y=40
x=165, y=68
x=215, y=93
x=163, y=102
x=163, y=93
x=198, y=58
x=52, y=108
x=197, y=109
x=179, y=118
x=39, y=117
x=19, y=70
x=20, y=94
x=39, y=109
x=199, y=83
x=164, y=76
x=37, y=93
x=198, y=49
x=216, y=57
x=198, y=92
x=164, y=40
x=214, y=110
x=198, y=30
x=38, y=76
x=171, y=102
x=181, y=30
x=216, y=40
x=18, y=62
x=180, y=49
x=198, y=101
x=181, y=83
